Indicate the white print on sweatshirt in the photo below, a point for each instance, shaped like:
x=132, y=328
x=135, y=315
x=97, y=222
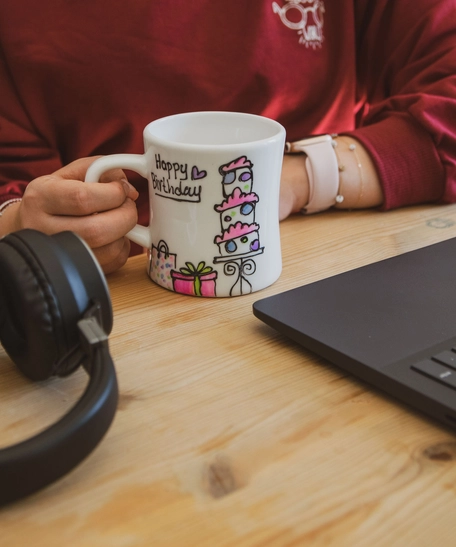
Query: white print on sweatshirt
x=305, y=16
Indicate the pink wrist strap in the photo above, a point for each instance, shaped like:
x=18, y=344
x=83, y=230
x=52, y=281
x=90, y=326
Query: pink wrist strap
x=322, y=171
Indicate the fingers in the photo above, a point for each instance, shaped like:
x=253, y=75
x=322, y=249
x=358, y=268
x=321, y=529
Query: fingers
x=76, y=170
x=104, y=232
x=113, y=256
x=97, y=229
x=103, y=228
x=56, y=196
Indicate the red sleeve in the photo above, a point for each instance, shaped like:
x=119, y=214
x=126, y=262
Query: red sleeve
x=407, y=71
x=24, y=155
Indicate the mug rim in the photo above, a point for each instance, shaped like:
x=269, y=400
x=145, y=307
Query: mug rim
x=149, y=136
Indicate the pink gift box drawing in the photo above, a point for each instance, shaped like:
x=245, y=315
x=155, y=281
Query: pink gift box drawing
x=199, y=281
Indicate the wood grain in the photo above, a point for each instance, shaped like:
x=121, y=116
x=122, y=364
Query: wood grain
x=227, y=434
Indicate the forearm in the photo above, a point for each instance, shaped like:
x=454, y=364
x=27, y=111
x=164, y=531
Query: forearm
x=408, y=82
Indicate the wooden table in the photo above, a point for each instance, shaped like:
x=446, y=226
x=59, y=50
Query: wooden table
x=228, y=434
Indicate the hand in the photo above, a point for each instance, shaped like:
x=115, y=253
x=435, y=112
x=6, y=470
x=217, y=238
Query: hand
x=294, y=185
x=100, y=213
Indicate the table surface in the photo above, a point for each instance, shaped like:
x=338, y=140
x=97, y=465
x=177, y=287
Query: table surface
x=229, y=434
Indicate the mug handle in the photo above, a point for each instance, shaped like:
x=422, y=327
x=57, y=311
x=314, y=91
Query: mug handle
x=136, y=162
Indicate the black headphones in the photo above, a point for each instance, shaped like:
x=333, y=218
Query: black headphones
x=55, y=314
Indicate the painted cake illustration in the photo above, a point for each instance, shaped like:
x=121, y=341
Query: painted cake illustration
x=237, y=174
x=239, y=207
x=239, y=240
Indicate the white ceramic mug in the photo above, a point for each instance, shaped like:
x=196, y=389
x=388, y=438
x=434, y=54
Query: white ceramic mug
x=214, y=180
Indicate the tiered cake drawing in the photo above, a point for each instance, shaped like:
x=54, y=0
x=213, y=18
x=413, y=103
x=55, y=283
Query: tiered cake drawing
x=239, y=240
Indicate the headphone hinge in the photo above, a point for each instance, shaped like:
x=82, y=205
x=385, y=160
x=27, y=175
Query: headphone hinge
x=93, y=337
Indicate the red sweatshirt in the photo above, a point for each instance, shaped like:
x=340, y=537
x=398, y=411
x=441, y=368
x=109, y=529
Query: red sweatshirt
x=84, y=78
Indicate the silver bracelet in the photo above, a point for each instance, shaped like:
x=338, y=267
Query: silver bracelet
x=352, y=148
x=7, y=203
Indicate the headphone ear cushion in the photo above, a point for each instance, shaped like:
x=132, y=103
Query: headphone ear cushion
x=30, y=318
x=47, y=284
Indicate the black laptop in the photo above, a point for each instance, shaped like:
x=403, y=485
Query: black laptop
x=391, y=323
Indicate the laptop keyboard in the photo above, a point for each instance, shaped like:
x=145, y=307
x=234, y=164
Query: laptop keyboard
x=440, y=367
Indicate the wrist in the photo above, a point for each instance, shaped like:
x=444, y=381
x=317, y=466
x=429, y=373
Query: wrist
x=9, y=221
x=294, y=186
x=295, y=172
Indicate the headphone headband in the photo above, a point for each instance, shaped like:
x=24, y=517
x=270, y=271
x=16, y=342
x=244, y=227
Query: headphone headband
x=58, y=281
